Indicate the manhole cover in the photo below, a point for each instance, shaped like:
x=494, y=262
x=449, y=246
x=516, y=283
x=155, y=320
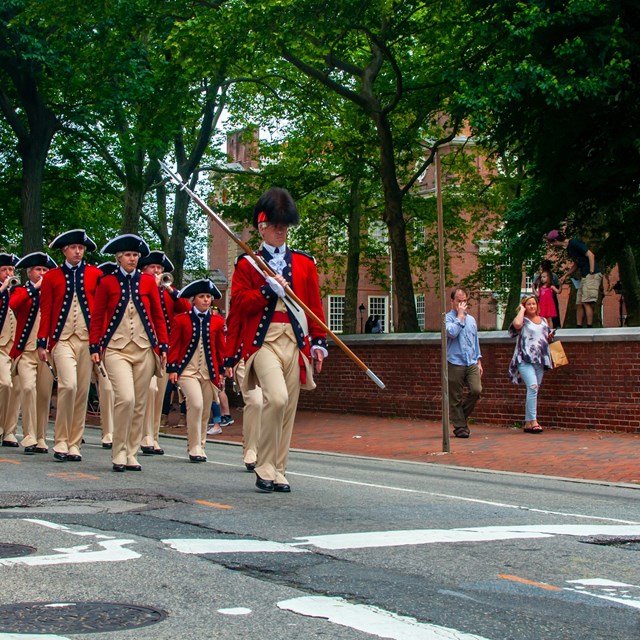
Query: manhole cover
x=631, y=543
x=75, y=617
x=8, y=550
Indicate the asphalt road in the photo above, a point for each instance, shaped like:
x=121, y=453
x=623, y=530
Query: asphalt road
x=361, y=548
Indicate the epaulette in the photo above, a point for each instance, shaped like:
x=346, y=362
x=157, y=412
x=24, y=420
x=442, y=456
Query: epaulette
x=304, y=253
x=242, y=255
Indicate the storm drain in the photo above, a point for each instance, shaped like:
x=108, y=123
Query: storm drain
x=75, y=617
x=631, y=543
x=8, y=550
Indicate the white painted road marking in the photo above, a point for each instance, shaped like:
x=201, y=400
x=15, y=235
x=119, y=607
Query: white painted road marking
x=112, y=550
x=433, y=494
x=371, y=620
x=205, y=545
x=402, y=538
x=613, y=591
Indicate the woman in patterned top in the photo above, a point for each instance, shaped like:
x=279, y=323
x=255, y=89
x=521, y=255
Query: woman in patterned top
x=531, y=356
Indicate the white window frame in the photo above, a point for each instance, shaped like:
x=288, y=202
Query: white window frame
x=335, y=312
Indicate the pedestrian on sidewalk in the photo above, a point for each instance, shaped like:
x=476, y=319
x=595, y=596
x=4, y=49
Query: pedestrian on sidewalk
x=531, y=356
x=464, y=362
x=584, y=262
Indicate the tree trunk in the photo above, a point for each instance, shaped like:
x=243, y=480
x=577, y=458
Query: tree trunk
x=180, y=230
x=34, y=157
x=350, y=319
x=402, y=281
x=135, y=190
x=515, y=293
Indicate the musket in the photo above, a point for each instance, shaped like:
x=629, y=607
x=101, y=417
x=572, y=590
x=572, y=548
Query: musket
x=266, y=270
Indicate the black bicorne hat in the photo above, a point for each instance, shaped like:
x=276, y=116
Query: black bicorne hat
x=75, y=236
x=157, y=257
x=8, y=259
x=108, y=267
x=36, y=259
x=200, y=286
x=276, y=206
x=126, y=242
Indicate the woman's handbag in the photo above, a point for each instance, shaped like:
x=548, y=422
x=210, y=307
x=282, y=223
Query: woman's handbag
x=558, y=356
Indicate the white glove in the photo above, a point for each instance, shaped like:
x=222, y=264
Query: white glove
x=276, y=287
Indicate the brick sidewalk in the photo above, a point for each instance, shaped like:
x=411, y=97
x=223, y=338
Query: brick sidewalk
x=590, y=455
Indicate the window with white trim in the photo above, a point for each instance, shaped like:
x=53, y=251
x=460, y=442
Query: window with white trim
x=336, y=313
x=378, y=306
x=420, y=310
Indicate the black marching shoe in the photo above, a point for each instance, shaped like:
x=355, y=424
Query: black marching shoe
x=41, y=450
x=147, y=451
x=158, y=451
x=264, y=486
x=60, y=457
x=250, y=466
x=133, y=467
x=119, y=468
x=197, y=458
x=10, y=443
x=30, y=450
x=281, y=487
x=107, y=445
x=73, y=457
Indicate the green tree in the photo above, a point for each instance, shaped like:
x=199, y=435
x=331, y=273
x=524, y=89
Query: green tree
x=560, y=89
x=380, y=57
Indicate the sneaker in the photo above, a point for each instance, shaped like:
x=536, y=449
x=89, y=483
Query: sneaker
x=214, y=430
x=226, y=421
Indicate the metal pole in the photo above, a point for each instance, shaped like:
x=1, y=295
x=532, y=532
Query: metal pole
x=444, y=375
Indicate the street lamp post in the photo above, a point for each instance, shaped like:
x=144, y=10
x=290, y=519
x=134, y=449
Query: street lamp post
x=361, y=309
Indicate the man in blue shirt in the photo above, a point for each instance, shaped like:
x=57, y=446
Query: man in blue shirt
x=465, y=365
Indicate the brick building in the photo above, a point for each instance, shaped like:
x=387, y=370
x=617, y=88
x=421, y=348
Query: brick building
x=375, y=300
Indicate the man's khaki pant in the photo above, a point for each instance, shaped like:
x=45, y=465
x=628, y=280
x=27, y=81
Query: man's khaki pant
x=251, y=417
x=130, y=371
x=278, y=372
x=153, y=413
x=72, y=362
x=9, y=399
x=200, y=393
x=36, y=384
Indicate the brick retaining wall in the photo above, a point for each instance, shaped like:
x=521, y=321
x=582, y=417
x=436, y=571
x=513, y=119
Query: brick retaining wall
x=599, y=390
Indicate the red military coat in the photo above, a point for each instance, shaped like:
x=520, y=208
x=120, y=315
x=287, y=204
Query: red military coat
x=25, y=302
x=56, y=295
x=233, y=347
x=255, y=301
x=172, y=304
x=184, y=340
x=112, y=297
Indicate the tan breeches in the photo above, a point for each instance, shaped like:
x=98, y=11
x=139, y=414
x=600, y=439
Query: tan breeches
x=105, y=397
x=130, y=371
x=200, y=394
x=72, y=361
x=251, y=417
x=153, y=412
x=278, y=374
x=9, y=399
x=35, y=383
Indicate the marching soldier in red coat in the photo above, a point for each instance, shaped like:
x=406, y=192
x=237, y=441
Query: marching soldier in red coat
x=279, y=340
x=129, y=335
x=157, y=264
x=196, y=351
x=9, y=400
x=32, y=375
x=66, y=302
